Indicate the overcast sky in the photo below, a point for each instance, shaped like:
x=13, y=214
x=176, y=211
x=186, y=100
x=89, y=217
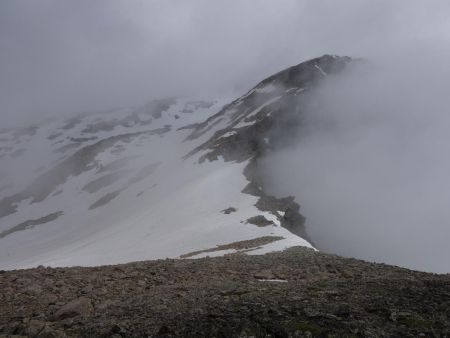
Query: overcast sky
x=63, y=56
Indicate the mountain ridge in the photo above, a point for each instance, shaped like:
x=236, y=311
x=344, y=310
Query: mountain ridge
x=155, y=153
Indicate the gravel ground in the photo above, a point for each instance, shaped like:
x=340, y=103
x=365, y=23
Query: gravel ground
x=295, y=293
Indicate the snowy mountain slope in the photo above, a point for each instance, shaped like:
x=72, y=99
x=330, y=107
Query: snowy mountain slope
x=264, y=120
x=176, y=177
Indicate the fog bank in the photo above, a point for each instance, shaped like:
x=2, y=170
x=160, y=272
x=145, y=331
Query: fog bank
x=371, y=168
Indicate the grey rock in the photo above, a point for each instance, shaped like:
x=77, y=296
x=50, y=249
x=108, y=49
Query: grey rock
x=78, y=307
x=34, y=327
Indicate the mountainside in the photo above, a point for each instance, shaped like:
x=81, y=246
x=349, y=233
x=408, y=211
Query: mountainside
x=180, y=178
x=170, y=178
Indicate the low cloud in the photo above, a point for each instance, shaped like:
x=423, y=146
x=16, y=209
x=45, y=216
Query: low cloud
x=371, y=168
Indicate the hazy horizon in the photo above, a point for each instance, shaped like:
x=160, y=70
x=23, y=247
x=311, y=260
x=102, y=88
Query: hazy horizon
x=63, y=57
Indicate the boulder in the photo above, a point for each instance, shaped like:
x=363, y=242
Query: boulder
x=78, y=307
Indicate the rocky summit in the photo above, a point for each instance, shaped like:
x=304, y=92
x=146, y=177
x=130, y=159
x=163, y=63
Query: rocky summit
x=296, y=293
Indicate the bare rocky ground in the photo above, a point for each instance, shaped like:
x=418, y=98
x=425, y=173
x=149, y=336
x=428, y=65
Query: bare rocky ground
x=296, y=293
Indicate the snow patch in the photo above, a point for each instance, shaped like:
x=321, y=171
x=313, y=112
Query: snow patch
x=229, y=133
x=320, y=70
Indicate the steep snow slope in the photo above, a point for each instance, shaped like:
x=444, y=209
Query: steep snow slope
x=135, y=197
x=174, y=178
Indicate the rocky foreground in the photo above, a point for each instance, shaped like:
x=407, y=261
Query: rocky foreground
x=296, y=293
